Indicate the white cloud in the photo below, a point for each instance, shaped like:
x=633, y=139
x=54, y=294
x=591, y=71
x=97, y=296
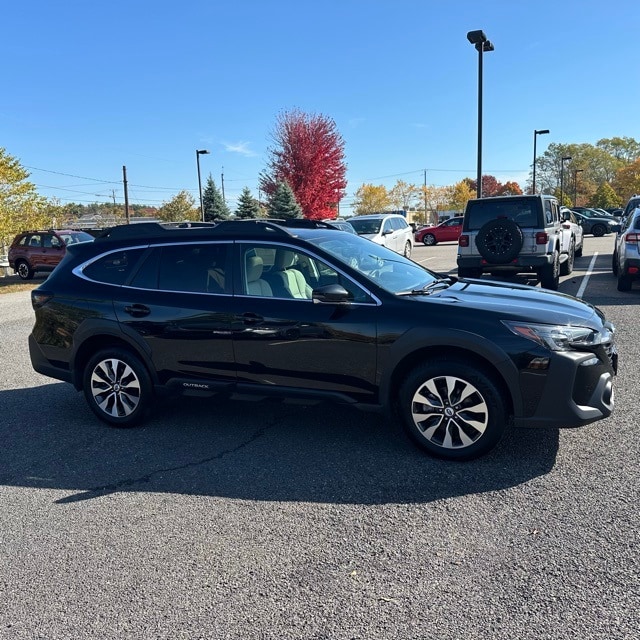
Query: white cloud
x=239, y=147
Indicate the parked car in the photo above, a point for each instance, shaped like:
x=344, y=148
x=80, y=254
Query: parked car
x=573, y=230
x=253, y=307
x=446, y=231
x=33, y=251
x=634, y=201
x=389, y=230
x=343, y=225
x=508, y=235
x=616, y=213
x=625, y=261
x=595, y=223
x=591, y=210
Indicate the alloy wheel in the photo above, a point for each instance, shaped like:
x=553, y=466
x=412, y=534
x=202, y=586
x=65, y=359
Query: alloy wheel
x=115, y=387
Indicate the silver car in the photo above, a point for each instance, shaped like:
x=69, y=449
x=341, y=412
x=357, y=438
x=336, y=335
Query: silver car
x=625, y=262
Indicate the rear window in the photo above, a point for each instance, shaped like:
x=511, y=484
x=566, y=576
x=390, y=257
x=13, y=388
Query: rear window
x=523, y=212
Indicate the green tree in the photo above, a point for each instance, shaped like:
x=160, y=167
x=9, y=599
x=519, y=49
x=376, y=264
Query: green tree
x=215, y=208
x=21, y=207
x=248, y=206
x=605, y=197
x=371, y=198
x=282, y=203
x=625, y=149
x=181, y=207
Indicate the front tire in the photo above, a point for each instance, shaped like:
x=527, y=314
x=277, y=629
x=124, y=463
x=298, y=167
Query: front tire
x=452, y=410
x=117, y=387
x=24, y=270
x=598, y=230
x=429, y=240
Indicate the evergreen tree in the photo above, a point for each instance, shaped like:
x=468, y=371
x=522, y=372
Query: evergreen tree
x=215, y=208
x=248, y=206
x=283, y=204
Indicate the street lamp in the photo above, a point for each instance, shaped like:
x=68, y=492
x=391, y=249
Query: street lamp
x=536, y=133
x=562, y=160
x=200, y=152
x=479, y=40
x=575, y=186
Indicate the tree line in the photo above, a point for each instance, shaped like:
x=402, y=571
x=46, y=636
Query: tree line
x=305, y=176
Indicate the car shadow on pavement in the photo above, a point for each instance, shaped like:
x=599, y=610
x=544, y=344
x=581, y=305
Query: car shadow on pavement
x=260, y=450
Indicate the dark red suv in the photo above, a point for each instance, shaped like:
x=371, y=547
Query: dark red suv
x=33, y=251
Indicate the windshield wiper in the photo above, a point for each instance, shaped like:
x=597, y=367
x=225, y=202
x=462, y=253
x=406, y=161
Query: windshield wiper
x=435, y=285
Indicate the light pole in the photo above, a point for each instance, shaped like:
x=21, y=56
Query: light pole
x=575, y=186
x=562, y=177
x=479, y=40
x=200, y=152
x=536, y=133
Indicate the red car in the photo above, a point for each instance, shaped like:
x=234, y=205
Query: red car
x=446, y=231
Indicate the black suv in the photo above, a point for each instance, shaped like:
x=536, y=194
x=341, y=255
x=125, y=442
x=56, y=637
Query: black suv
x=33, y=251
x=515, y=234
x=310, y=312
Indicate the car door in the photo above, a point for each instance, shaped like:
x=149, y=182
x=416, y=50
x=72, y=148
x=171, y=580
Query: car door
x=178, y=302
x=450, y=230
x=389, y=235
x=52, y=250
x=311, y=347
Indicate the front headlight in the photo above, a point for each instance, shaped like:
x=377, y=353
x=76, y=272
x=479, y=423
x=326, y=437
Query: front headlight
x=559, y=337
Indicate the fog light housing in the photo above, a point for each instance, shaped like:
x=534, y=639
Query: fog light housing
x=590, y=362
x=538, y=363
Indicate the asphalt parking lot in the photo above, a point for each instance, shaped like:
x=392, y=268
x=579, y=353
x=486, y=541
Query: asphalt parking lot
x=267, y=520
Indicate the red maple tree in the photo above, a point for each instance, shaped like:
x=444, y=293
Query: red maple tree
x=309, y=155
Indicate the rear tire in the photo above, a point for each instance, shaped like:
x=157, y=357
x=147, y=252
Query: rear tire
x=407, y=249
x=452, y=410
x=549, y=275
x=624, y=283
x=614, y=263
x=117, y=387
x=567, y=266
x=598, y=230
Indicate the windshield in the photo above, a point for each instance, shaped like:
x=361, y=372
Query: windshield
x=366, y=225
x=387, y=269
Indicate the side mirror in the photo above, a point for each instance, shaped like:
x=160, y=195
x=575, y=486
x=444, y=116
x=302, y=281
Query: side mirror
x=330, y=294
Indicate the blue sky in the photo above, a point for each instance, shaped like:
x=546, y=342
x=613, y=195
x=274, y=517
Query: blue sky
x=89, y=87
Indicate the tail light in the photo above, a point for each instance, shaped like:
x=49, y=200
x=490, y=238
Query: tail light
x=40, y=298
x=631, y=238
x=463, y=241
x=542, y=237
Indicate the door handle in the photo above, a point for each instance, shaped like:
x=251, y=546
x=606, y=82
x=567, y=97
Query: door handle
x=137, y=310
x=252, y=318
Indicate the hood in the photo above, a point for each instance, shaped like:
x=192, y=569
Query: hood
x=520, y=302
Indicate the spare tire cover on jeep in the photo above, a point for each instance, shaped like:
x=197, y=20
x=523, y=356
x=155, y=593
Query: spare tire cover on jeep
x=499, y=240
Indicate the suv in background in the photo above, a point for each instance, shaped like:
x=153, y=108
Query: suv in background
x=33, y=251
x=625, y=262
x=634, y=201
x=257, y=308
x=388, y=229
x=507, y=235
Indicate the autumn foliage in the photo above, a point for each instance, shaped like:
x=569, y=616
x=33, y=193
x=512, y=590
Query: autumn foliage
x=308, y=154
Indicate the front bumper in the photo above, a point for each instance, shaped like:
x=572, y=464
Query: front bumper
x=577, y=389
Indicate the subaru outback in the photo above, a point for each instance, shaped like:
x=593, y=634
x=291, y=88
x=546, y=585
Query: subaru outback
x=256, y=307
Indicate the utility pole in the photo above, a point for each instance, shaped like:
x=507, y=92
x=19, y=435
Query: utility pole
x=426, y=221
x=222, y=179
x=126, y=193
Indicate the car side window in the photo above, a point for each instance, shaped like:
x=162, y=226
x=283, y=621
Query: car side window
x=114, y=267
x=194, y=268
x=35, y=240
x=387, y=226
x=548, y=215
